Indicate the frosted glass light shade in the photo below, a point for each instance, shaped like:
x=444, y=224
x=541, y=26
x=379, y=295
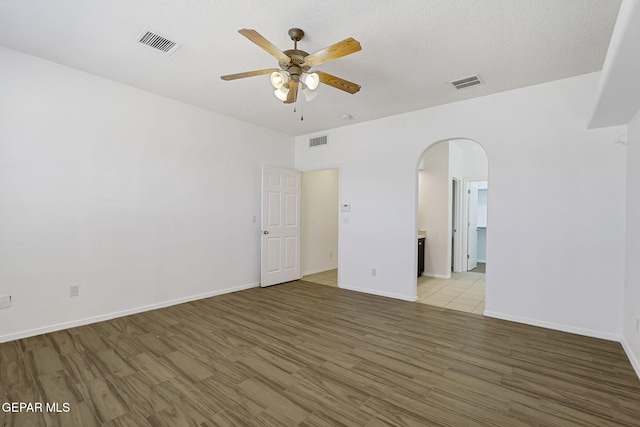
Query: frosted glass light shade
x=311, y=80
x=278, y=78
x=309, y=94
x=281, y=93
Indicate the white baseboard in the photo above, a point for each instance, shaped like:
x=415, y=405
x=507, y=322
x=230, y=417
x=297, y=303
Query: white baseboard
x=379, y=293
x=632, y=357
x=109, y=316
x=437, y=276
x=554, y=326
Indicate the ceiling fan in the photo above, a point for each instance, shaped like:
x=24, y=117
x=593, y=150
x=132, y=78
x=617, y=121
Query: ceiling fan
x=295, y=64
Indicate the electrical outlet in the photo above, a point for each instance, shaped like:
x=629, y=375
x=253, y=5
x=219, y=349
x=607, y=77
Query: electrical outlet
x=254, y=219
x=373, y=272
x=330, y=254
x=5, y=301
x=74, y=290
x=638, y=326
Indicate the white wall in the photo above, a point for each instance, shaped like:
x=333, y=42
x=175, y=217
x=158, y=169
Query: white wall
x=457, y=158
x=319, y=207
x=476, y=166
x=434, y=211
x=140, y=200
x=631, y=336
x=544, y=162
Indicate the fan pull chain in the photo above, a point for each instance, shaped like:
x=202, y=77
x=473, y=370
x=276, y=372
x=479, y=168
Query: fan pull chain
x=301, y=109
x=295, y=108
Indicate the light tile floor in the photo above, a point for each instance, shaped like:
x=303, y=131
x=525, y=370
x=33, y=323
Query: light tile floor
x=329, y=278
x=463, y=292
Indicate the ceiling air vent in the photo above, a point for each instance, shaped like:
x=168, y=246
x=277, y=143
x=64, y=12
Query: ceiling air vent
x=466, y=82
x=314, y=142
x=158, y=42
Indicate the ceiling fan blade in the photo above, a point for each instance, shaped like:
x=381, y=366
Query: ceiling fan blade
x=265, y=44
x=338, y=83
x=338, y=50
x=248, y=74
x=293, y=93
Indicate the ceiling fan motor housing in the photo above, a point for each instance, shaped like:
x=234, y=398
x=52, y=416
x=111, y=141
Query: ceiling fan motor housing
x=296, y=60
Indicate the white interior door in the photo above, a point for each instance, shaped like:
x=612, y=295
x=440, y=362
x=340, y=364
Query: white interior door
x=472, y=231
x=280, y=252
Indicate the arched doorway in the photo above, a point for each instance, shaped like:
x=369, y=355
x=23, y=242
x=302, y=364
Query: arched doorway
x=452, y=219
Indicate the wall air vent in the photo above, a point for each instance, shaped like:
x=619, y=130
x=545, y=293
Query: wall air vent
x=315, y=142
x=158, y=42
x=466, y=82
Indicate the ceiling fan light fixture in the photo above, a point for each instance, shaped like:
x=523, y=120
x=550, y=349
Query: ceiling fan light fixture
x=293, y=76
x=281, y=93
x=311, y=80
x=279, y=78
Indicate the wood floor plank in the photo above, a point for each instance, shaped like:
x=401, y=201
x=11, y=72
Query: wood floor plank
x=106, y=402
x=173, y=417
x=231, y=418
x=188, y=366
x=267, y=370
x=44, y=360
x=329, y=407
x=139, y=395
x=314, y=381
x=113, y=364
x=312, y=355
x=63, y=342
x=58, y=387
x=153, y=368
x=403, y=415
x=257, y=390
x=220, y=391
x=186, y=398
x=80, y=415
x=127, y=420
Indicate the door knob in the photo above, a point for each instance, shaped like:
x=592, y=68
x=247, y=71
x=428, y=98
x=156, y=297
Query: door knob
x=265, y=232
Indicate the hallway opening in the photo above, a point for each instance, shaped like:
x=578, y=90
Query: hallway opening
x=452, y=220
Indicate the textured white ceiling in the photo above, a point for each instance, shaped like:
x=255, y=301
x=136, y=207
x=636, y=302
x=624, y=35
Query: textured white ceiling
x=410, y=49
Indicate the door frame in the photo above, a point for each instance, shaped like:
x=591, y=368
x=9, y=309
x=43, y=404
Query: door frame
x=465, y=217
x=459, y=250
x=340, y=214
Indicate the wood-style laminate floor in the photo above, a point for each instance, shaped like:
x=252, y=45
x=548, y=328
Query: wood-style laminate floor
x=313, y=355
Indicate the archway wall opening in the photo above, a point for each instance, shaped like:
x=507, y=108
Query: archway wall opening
x=556, y=208
x=442, y=209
